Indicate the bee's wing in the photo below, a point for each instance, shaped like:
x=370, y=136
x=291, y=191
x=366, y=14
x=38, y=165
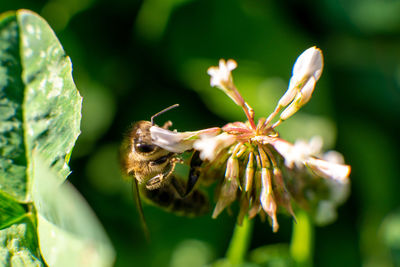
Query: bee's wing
x=138, y=201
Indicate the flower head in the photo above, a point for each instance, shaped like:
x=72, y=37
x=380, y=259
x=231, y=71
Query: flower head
x=251, y=162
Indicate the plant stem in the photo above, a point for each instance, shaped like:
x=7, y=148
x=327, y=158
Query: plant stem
x=240, y=242
x=302, y=244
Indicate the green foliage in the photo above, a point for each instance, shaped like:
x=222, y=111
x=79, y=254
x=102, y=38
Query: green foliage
x=68, y=231
x=18, y=245
x=272, y=255
x=390, y=231
x=42, y=221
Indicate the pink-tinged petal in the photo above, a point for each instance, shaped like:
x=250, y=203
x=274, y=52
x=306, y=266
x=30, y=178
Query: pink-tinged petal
x=249, y=173
x=267, y=198
x=226, y=196
x=232, y=168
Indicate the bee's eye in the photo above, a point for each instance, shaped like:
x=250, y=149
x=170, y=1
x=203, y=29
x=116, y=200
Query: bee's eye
x=144, y=148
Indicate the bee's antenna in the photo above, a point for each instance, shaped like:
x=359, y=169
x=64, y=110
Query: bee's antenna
x=162, y=111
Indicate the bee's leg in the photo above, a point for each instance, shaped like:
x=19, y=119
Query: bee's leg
x=161, y=160
x=194, y=173
x=161, y=179
x=155, y=182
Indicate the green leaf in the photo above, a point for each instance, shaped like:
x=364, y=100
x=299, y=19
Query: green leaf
x=10, y=212
x=13, y=160
x=18, y=245
x=39, y=104
x=69, y=233
x=40, y=115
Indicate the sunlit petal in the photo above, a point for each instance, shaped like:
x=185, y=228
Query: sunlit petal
x=326, y=169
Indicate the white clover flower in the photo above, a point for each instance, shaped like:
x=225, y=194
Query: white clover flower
x=253, y=150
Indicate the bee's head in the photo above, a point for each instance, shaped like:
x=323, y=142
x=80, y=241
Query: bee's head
x=141, y=134
x=141, y=138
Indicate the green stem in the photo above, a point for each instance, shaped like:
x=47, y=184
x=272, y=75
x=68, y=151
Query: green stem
x=302, y=245
x=240, y=242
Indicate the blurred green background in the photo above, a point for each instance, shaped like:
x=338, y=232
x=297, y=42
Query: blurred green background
x=133, y=58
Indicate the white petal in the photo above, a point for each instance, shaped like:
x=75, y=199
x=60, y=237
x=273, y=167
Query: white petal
x=309, y=63
x=299, y=152
x=231, y=65
x=315, y=145
x=333, y=156
x=221, y=75
x=292, y=108
x=289, y=95
x=285, y=149
x=169, y=140
x=330, y=170
x=307, y=91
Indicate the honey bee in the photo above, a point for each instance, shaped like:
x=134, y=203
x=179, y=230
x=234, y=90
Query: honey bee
x=152, y=170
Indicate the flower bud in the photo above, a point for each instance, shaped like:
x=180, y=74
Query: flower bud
x=306, y=72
